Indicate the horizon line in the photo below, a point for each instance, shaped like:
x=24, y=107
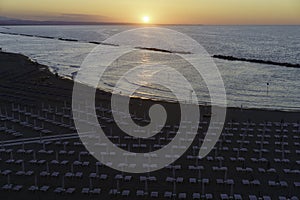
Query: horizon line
x=68, y=23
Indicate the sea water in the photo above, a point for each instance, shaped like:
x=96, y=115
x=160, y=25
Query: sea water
x=247, y=84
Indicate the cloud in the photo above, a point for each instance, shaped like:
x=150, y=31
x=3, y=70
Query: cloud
x=72, y=17
x=78, y=17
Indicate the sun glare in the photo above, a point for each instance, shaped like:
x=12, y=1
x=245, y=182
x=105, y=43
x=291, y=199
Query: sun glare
x=146, y=19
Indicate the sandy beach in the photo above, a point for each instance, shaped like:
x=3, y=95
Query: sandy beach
x=31, y=94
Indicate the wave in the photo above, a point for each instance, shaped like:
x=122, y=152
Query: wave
x=150, y=86
x=74, y=66
x=268, y=62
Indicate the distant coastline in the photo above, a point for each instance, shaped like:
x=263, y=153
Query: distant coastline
x=4, y=21
x=65, y=23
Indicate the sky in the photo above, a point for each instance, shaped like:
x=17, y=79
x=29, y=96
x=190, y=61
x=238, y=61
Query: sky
x=158, y=11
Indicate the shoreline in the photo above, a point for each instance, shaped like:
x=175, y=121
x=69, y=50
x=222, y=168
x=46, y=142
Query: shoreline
x=67, y=78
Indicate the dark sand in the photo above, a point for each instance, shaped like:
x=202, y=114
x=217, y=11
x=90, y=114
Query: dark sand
x=31, y=87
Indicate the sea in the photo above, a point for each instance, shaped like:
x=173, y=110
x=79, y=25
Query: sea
x=247, y=84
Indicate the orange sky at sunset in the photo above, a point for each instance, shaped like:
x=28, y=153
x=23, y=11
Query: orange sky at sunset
x=158, y=11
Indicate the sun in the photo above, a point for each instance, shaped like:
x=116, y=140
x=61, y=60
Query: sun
x=146, y=19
